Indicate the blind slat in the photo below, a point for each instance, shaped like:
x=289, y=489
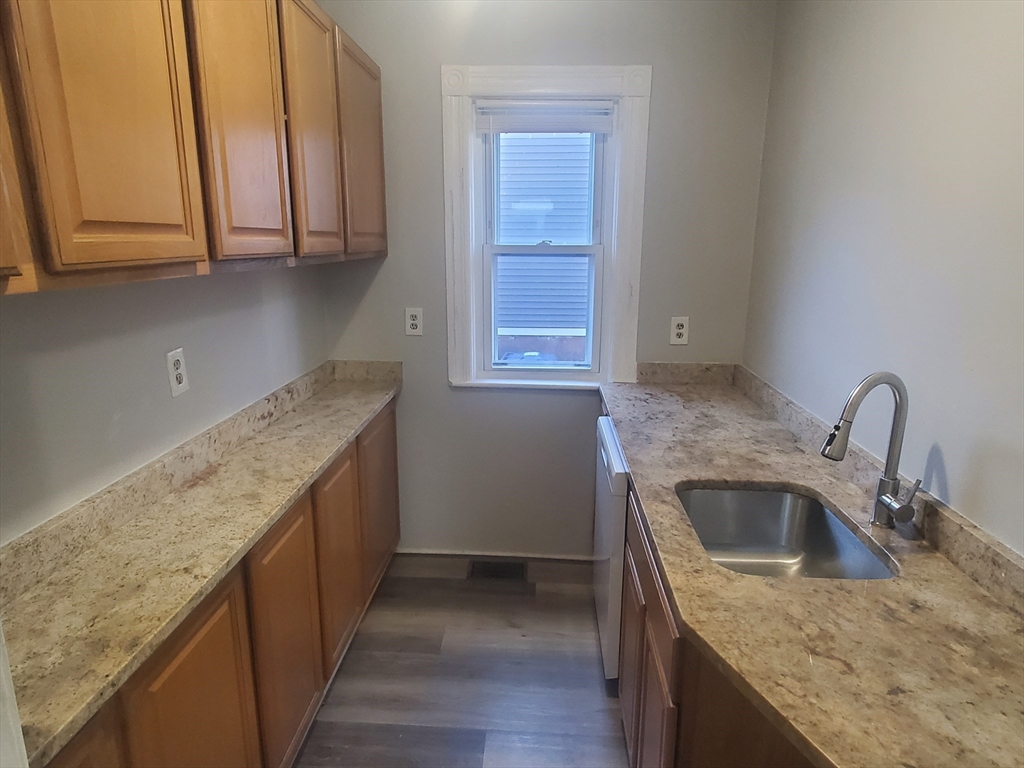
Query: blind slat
x=550, y=291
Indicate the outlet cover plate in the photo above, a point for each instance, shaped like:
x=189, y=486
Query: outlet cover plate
x=680, y=331
x=176, y=372
x=413, y=321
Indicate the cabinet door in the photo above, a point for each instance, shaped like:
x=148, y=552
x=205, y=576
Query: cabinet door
x=192, y=704
x=656, y=737
x=112, y=131
x=240, y=101
x=286, y=632
x=336, y=511
x=314, y=129
x=378, y=495
x=631, y=653
x=362, y=141
x=15, y=244
x=100, y=744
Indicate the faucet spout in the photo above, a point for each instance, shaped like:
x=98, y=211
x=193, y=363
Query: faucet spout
x=838, y=441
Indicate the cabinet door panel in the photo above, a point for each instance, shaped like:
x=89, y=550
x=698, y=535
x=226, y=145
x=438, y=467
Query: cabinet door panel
x=192, y=704
x=100, y=744
x=111, y=124
x=336, y=509
x=378, y=491
x=362, y=141
x=283, y=593
x=631, y=654
x=314, y=129
x=15, y=244
x=237, y=53
x=656, y=738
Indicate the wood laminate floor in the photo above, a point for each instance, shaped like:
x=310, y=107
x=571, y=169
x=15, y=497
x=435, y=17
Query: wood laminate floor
x=472, y=673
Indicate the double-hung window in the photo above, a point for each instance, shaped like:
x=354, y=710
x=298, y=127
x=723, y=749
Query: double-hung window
x=532, y=238
x=542, y=252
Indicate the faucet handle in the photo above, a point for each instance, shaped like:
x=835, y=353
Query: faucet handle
x=913, y=491
x=902, y=511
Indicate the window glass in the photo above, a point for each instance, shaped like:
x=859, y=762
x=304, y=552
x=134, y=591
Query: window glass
x=544, y=188
x=543, y=309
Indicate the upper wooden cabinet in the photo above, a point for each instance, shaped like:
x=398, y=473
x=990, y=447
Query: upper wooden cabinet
x=15, y=242
x=378, y=494
x=314, y=128
x=109, y=119
x=240, y=101
x=362, y=141
x=283, y=592
x=336, y=512
x=192, y=703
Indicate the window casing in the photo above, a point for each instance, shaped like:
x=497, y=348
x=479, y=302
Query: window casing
x=542, y=280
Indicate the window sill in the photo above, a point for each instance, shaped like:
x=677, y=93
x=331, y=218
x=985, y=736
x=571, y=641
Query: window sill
x=563, y=384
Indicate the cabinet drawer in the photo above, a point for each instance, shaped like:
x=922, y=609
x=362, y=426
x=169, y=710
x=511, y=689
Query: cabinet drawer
x=664, y=635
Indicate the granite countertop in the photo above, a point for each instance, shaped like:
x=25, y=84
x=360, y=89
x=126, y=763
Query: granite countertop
x=77, y=633
x=925, y=669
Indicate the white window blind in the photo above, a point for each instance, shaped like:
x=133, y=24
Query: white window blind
x=503, y=116
x=542, y=295
x=545, y=188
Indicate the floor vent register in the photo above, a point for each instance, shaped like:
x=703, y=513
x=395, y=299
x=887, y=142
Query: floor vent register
x=509, y=570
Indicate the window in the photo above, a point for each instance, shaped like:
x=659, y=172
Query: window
x=533, y=260
x=543, y=249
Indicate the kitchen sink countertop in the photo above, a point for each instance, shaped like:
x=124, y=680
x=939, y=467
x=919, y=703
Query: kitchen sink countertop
x=925, y=669
x=77, y=631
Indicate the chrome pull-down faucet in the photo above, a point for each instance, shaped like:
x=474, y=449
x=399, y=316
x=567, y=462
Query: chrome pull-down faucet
x=888, y=506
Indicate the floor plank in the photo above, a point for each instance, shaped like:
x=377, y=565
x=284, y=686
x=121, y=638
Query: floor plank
x=543, y=750
x=397, y=746
x=503, y=673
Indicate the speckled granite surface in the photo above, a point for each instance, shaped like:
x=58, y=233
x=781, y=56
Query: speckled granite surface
x=925, y=669
x=77, y=628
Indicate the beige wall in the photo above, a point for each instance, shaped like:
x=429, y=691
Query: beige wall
x=84, y=396
x=513, y=471
x=890, y=234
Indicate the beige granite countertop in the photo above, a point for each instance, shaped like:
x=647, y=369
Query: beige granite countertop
x=925, y=669
x=75, y=634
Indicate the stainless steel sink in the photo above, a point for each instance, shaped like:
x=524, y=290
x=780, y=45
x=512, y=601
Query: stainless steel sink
x=781, y=533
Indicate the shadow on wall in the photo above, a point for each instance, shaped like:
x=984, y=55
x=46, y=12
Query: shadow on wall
x=935, y=480
x=347, y=293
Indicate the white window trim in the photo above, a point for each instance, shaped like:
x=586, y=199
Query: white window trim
x=630, y=88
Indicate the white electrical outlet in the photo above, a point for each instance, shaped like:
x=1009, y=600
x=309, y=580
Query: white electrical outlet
x=176, y=371
x=680, y=333
x=413, y=321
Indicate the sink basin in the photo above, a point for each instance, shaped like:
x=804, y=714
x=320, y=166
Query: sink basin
x=781, y=533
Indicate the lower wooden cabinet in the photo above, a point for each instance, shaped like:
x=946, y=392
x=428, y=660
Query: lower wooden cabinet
x=284, y=597
x=678, y=708
x=378, y=494
x=631, y=653
x=100, y=744
x=192, y=704
x=339, y=555
x=239, y=682
x=656, y=736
